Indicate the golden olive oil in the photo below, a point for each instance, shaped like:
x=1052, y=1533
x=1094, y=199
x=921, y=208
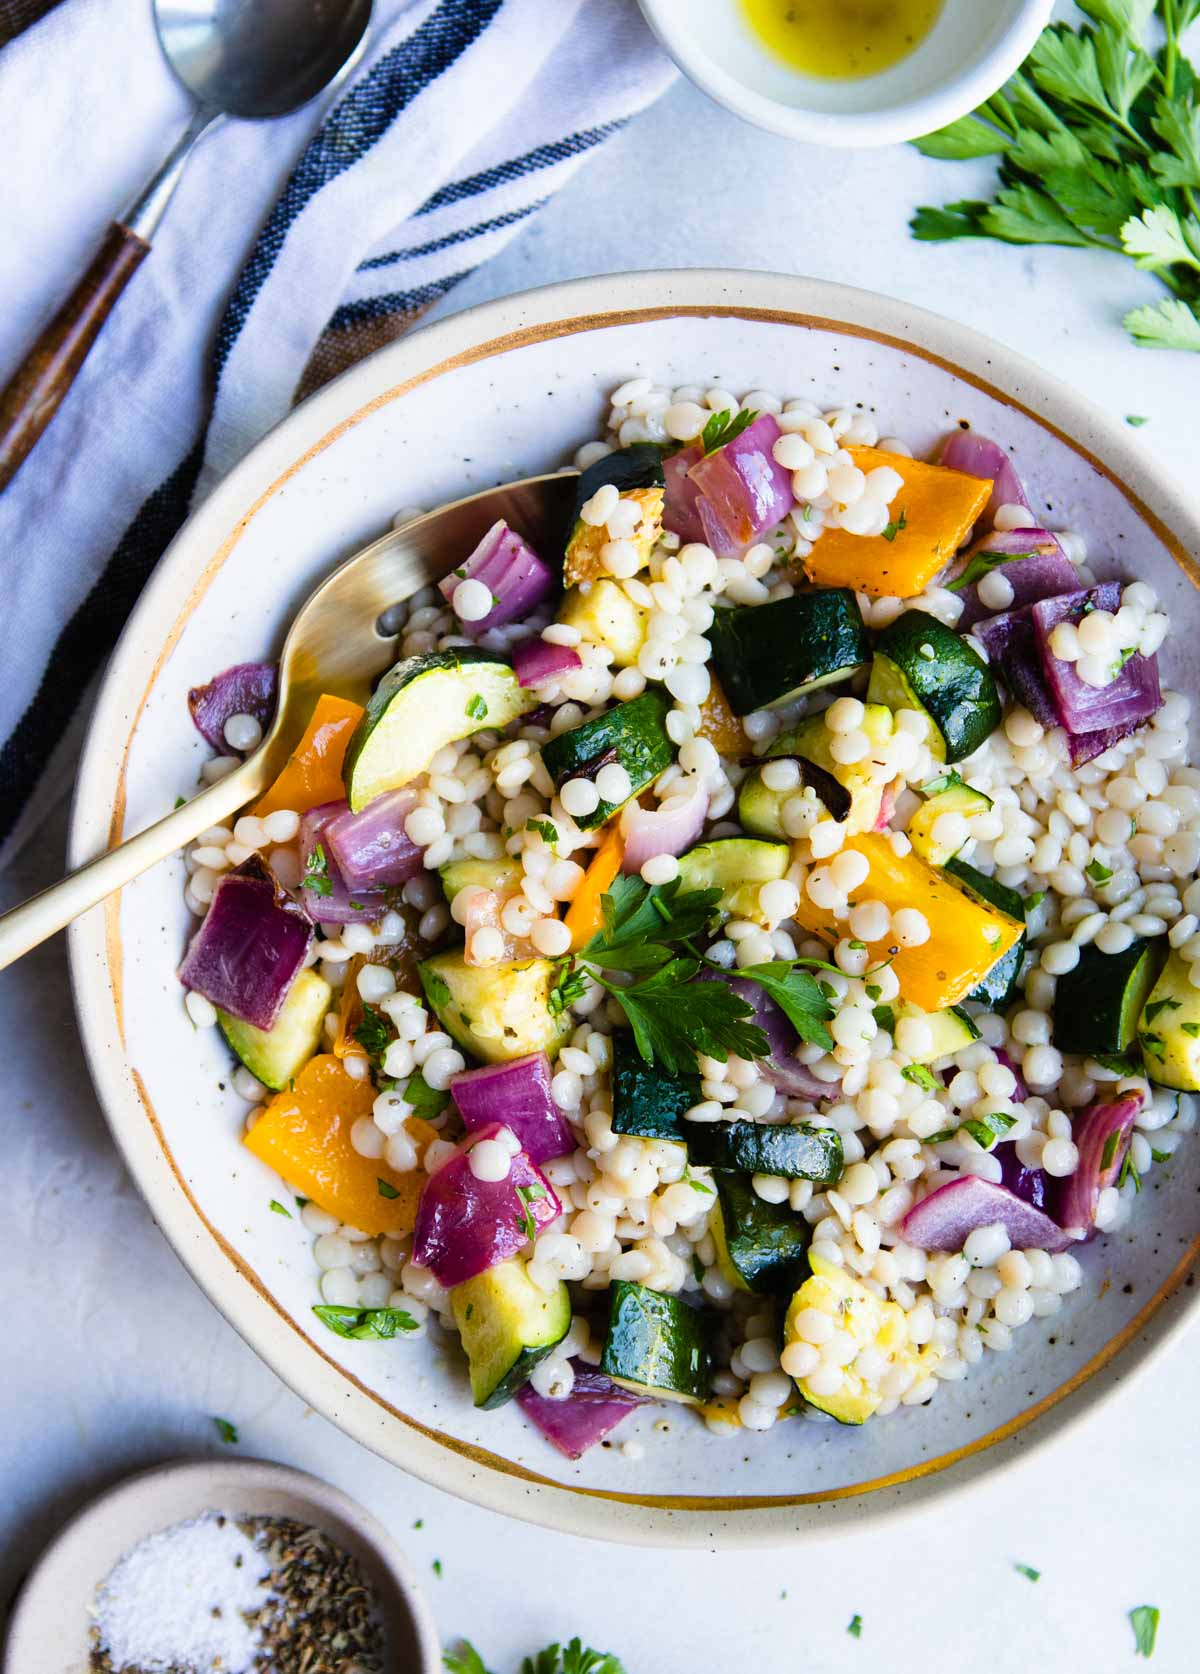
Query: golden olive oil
x=842, y=39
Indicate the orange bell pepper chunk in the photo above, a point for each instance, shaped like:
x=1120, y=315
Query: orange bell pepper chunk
x=967, y=936
x=931, y=518
x=719, y=724
x=584, y=916
x=304, y=1135
x=313, y=772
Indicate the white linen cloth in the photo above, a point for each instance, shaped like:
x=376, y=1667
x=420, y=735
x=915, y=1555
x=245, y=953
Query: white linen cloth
x=339, y=223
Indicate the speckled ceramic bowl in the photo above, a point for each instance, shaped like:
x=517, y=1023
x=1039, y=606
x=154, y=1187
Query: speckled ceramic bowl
x=499, y=392
x=51, y=1622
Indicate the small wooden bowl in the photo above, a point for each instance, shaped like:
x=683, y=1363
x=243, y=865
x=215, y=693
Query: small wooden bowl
x=49, y=1630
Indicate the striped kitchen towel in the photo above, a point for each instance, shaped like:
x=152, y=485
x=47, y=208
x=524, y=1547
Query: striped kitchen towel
x=291, y=249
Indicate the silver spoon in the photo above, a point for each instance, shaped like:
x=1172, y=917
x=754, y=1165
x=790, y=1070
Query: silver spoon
x=251, y=59
x=337, y=642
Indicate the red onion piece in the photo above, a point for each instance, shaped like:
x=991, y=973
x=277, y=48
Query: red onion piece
x=1011, y=644
x=744, y=490
x=465, y=1225
x=669, y=828
x=595, y=1406
x=327, y=897
x=946, y=1218
x=509, y=567
x=245, y=689
x=517, y=1094
x=1128, y=700
x=1048, y=572
x=977, y=456
x=250, y=948
x=536, y=660
x=681, y=511
x=371, y=849
x=1093, y=1132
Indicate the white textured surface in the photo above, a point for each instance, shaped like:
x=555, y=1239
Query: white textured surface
x=112, y=1357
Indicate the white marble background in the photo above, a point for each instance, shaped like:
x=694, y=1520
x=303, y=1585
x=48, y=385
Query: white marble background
x=110, y=1358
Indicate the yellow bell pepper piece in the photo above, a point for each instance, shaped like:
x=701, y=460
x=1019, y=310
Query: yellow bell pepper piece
x=313, y=772
x=584, y=916
x=583, y=561
x=967, y=936
x=719, y=724
x=931, y=517
x=304, y=1135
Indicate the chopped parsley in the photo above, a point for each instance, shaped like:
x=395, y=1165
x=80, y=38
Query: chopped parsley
x=920, y=1076
x=1157, y=1006
x=226, y=1431
x=426, y=1101
x=983, y=563
x=1035, y=900
x=373, y=1034
x=529, y=1195
x=1192, y=1030
x=1136, y=420
x=723, y=427
x=368, y=1325
x=1143, y=1619
x=477, y=705
x=179, y=801
x=986, y=1130
x=316, y=872
x=386, y=1189
x=1098, y=872
x=436, y=1566
x=1028, y=1572
x=277, y=1208
x=1129, y=1172
x=546, y=830
x=855, y=1627
x=1109, y=1153
x=891, y=530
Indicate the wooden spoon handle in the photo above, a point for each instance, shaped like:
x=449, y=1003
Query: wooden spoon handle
x=38, y=386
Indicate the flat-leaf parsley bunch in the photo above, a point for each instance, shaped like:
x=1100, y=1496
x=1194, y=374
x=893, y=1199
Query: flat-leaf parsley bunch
x=644, y=956
x=1098, y=136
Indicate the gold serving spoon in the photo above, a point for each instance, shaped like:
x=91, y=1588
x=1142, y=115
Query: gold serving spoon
x=335, y=644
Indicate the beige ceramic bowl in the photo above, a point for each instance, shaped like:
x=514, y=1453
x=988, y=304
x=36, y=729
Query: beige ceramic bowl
x=49, y=1630
x=499, y=392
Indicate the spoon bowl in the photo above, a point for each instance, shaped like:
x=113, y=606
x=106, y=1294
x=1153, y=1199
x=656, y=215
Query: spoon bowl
x=339, y=641
x=259, y=58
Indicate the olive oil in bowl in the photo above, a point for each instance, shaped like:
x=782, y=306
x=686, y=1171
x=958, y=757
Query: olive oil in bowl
x=841, y=39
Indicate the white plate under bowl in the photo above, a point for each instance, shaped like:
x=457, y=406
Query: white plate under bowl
x=498, y=392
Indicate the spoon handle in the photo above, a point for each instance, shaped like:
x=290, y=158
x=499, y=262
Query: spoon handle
x=37, y=388
x=31, y=923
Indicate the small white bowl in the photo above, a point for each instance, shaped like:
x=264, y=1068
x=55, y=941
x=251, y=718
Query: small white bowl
x=49, y=1630
x=973, y=48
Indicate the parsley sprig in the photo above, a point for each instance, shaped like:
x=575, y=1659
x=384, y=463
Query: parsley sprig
x=575, y=1658
x=647, y=939
x=724, y=426
x=1098, y=141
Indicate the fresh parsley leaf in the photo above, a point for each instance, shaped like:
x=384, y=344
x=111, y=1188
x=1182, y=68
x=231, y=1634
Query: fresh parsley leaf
x=1192, y=1030
x=466, y=1660
x=1034, y=900
x=968, y=137
x=942, y=1137
x=546, y=830
x=641, y=920
x=227, y=1431
x=277, y=1208
x=1135, y=421
x=569, y=985
x=797, y=995
x=674, y=1018
x=528, y=1195
x=1159, y=1156
x=477, y=706
x=316, y=872
x=943, y=782
x=723, y=427
x=1098, y=872
x=436, y=1567
x=986, y=1130
x=1144, y=1622
x=368, y=1325
x=855, y=1627
x=426, y=1101
x=885, y=1016
x=179, y=801
x=952, y=220
x=1120, y=1063
x=983, y=563
x=373, y=1034
x=1157, y=1006
x=893, y=528
x=1028, y=1572
x=385, y=1187
x=873, y=993
x=921, y=1076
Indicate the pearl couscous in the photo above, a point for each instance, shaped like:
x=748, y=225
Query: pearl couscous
x=945, y=823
